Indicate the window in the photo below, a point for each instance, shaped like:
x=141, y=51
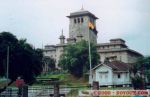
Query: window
x=106, y=76
x=81, y=20
x=78, y=20
x=114, y=46
x=101, y=76
x=126, y=75
x=75, y=21
x=102, y=47
x=119, y=76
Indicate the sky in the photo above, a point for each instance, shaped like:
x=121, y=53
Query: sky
x=41, y=21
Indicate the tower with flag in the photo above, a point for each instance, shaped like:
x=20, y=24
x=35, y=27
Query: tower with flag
x=82, y=26
x=83, y=22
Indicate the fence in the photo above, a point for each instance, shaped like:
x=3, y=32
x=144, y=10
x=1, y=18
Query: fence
x=48, y=91
x=43, y=91
x=9, y=92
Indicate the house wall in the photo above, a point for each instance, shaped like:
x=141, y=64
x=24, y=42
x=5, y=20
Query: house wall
x=124, y=78
x=104, y=75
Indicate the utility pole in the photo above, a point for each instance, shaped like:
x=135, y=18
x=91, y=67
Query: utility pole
x=7, y=74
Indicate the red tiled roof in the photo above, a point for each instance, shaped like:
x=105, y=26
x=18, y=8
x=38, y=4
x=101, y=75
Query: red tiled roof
x=119, y=66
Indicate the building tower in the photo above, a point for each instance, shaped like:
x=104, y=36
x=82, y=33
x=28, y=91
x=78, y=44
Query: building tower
x=79, y=37
x=84, y=23
x=62, y=38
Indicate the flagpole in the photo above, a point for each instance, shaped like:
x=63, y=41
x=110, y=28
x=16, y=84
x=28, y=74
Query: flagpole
x=90, y=81
x=7, y=64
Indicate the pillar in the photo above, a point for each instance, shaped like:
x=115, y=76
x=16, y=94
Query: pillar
x=56, y=89
x=95, y=86
x=25, y=91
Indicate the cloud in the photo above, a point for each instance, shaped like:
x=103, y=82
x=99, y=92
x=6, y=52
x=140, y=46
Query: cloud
x=41, y=21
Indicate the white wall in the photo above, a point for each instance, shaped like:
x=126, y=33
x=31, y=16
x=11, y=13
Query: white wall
x=104, y=75
x=124, y=78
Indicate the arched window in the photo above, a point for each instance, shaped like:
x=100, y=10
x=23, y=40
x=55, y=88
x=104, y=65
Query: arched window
x=78, y=20
x=82, y=20
x=75, y=21
x=119, y=76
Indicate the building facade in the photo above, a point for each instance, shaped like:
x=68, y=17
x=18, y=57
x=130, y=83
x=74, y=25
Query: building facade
x=79, y=26
x=82, y=26
x=116, y=49
x=113, y=73
x=55, y=51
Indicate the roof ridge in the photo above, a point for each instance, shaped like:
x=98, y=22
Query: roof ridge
x=115, y=65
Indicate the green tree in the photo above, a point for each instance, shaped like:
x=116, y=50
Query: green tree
x=141, y=69
x=49, y=61
x=137, y=82
x=24, y=60
x=75, y=58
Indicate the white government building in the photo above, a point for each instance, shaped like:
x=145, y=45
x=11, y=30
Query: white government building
x=115, y=50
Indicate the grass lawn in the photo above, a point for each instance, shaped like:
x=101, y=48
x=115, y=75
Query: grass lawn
x=67, y=79
x=78, y=84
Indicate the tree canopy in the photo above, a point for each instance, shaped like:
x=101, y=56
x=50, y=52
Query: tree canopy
x=142, y=66
x=75, y=58
x=50, y=62
x=24, y=60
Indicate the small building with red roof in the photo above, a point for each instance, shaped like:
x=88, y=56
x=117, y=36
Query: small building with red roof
x=112, y=73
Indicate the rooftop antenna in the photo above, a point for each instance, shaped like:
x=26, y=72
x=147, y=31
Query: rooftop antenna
x=62, y=32
x=82, y=7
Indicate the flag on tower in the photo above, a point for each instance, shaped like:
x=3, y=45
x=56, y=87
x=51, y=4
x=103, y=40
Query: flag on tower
x=91, y=26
